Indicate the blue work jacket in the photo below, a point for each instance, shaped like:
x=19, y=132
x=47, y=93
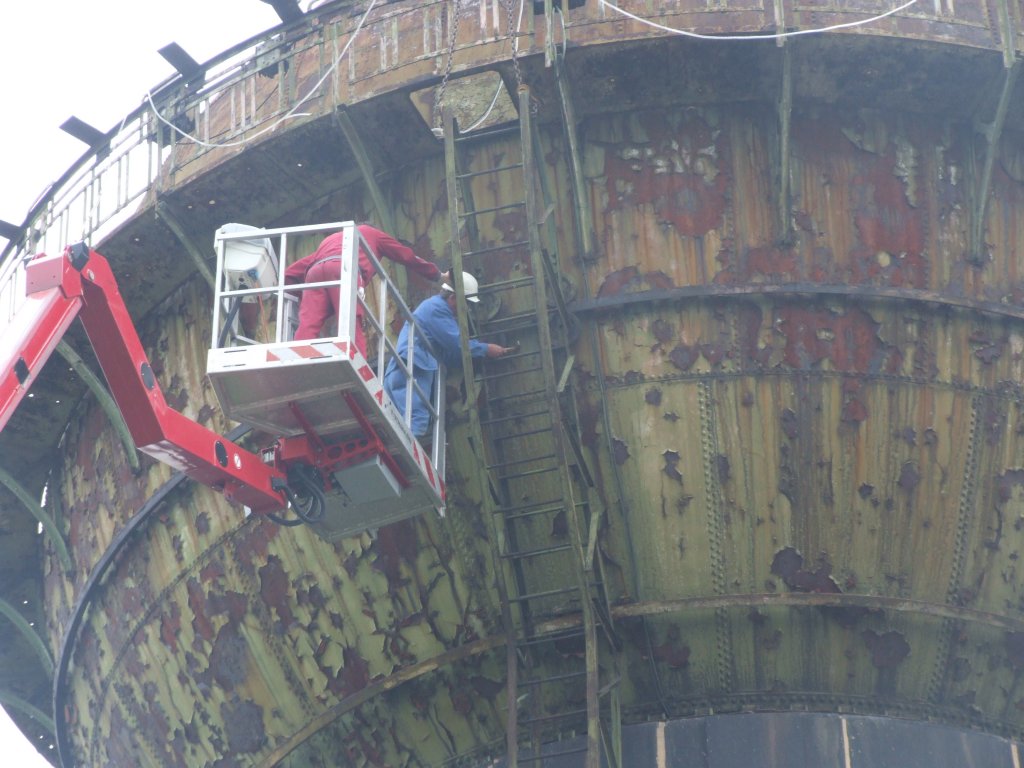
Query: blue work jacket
x=438, y=323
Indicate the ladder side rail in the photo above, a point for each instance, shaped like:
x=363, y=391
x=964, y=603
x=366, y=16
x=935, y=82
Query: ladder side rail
x=593, y=754
x=218, y=281
x=450, y=128
x=348, y=284
x=282, y=331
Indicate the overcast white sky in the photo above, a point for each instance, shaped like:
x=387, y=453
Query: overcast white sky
x=96, y=61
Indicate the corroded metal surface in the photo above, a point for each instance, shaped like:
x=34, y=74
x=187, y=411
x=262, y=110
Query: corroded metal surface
x=809, y=445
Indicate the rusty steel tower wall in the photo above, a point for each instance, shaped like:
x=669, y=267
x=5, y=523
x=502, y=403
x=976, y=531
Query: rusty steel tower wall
x=793, y=380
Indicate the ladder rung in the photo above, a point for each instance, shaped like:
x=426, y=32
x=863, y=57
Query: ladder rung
x=493, y=248
x=538, y=595
x=546, y=505
x=525, y=553
x=517, y=372
x=526, y=460
x=569, y=633
x=528, y=433
x=521, y=417
x=510, y=417
x=523, y=321
x=552, y=679
x=549, y=755
x=530, y=393
x=484, y=172
x=553, y=717
x=507, y=285
x=486, y=134
x=545, y=510
x=528, y=473
x=480, y=211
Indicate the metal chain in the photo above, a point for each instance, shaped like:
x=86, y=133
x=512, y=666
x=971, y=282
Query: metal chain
x=513, y=34
x=454, y=30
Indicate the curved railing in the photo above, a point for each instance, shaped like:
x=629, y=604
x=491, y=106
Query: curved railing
x=187, y=123
x=256, y=79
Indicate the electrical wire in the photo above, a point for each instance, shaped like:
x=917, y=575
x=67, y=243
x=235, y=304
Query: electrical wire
x=287, y=116
x=774, y=36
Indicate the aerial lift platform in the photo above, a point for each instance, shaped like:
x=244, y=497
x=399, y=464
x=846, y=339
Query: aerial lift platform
x=322, y=397
x=337, y=454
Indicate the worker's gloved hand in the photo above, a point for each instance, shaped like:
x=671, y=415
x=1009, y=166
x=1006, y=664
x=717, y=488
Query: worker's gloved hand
x=496, y=350
x=445, y=277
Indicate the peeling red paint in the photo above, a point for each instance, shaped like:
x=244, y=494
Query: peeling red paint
x=1008, y=482
x=672, y=652
x=202, y=626
x=670, y=171
x=243, y=726
x=788, y=564
x=354, y=674
x=663, y=331
x=230, y=657
x=758, y=264
x=887, y=650
x=630, y=280
x=275, y=590
x=683, y=356
x=396, y=544
x=170, y=627
x=909, y=477
x=714, y=354
x=849, y=340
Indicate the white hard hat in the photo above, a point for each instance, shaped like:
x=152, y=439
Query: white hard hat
x=470, y=284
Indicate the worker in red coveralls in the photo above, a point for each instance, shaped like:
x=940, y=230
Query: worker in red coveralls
x=317, y=305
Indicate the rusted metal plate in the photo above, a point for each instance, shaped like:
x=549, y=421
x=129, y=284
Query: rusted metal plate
x=835, y=443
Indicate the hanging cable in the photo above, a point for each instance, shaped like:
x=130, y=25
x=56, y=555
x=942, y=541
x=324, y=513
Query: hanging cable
x=305, y=496
x=287, y=116
x=514, y=35
x=453, y=27
x=773, y=36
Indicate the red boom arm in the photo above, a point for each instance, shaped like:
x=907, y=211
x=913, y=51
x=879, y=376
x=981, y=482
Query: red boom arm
x=81, y=283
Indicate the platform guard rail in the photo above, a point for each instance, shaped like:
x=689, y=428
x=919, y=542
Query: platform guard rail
x=277, y=322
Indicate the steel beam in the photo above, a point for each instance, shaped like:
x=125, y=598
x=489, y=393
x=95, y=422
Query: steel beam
x=29, y=633
x=915, y=297
x=39, y=514
x=355, y=143
x=164, y=211
x=785, y=109
x=992, y=134
x=104, y=398
x=12, y=700
x=584, y=223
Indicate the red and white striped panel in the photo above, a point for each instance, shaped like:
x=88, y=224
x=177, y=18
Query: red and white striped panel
x=373, y=386
x=309, y=351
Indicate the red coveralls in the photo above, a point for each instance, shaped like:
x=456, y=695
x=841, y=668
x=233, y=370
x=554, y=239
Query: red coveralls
x=319, y=304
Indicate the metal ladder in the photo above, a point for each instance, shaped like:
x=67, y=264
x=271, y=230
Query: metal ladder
x=536, y=481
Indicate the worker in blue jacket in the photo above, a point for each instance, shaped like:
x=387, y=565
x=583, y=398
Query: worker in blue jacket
x=436, y=319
